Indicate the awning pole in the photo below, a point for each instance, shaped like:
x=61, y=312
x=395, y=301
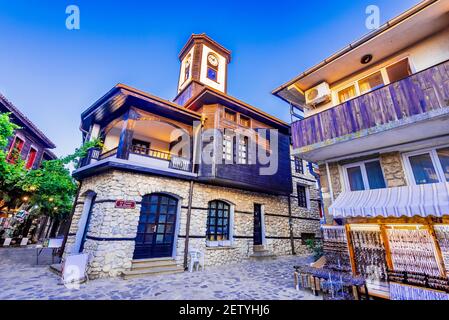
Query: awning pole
x=329, y=181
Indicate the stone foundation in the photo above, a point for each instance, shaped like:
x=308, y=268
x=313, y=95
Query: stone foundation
x=111, y=231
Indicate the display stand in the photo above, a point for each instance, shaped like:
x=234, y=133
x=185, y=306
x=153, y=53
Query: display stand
x=414, y=255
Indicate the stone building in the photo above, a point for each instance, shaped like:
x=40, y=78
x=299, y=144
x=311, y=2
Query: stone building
x=206, y=172
x=377, y=124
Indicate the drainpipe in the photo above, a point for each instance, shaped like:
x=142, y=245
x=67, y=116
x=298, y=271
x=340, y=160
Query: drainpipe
x=189, y=209
x=318, y=180
x=189, y=215
x=66, y=235
x=329, y=181
x=290, y=223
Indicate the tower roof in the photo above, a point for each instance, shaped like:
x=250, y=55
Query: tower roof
x=203, y=38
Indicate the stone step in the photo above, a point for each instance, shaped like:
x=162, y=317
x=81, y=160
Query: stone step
x=259, y=248
x=153, y=264
x=56, y=268
x=152, y=272
x=263, y=255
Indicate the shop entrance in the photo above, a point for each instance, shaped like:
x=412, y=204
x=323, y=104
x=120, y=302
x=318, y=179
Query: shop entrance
x=157, y=224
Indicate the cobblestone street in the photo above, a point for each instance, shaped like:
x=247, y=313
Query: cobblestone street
x=272, y=280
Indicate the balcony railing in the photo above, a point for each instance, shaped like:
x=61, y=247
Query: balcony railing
x=109, y=153
x=417, y=94
x=147, y=152
x=172, y=162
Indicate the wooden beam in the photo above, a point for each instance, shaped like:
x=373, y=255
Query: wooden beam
x=439, y=254
x=384, y=236
x=351, y=249
x=127, y=134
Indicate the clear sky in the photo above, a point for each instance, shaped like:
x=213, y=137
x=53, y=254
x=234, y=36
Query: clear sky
x=53, y=74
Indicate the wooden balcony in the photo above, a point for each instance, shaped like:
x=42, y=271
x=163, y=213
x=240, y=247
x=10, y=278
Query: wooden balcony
x=419, y=98
x=138, y=154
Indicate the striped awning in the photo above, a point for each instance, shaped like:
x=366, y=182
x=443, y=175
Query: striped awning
x=423, y=200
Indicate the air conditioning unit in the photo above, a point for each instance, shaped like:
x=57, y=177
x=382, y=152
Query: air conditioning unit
x=319, y=94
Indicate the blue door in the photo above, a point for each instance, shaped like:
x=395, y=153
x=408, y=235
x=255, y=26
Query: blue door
x=157, y=224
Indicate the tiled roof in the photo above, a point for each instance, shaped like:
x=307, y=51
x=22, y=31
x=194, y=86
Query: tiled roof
x=27, y=122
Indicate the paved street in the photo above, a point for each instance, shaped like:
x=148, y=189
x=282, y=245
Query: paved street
x=21, y=279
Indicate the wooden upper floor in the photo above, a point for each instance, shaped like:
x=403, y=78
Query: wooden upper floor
x=144, y=133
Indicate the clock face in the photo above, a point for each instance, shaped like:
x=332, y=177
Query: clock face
x=212, y=60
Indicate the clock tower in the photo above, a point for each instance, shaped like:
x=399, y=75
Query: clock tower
x=204, y=62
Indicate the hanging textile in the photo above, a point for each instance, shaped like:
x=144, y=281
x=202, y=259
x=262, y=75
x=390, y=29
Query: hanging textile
x=442, y=233
x=335, y=248
x=412, y=250
x=369, y=253
x=404, y=292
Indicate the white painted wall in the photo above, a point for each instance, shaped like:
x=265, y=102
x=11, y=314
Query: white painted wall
x=182, y=83
x=221, y=83
x=112, y=139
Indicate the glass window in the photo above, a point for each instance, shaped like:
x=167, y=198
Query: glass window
x=227, y=147
x=302, y=196
x=423, y=169
x=366, y=176
x=31, y=158
x=355, y=178
x=218, y=229
x=229, y=115
x=375, y=175
x=346, y=94
x=371, y=82
x=244, y=121
x=443, y=156
x=15, y=150
x=398, y=71
x=212, y=74
x=299, y=166
x=243, y=150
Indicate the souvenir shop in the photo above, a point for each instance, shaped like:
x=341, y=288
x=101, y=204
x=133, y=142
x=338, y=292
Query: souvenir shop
x=401, y=259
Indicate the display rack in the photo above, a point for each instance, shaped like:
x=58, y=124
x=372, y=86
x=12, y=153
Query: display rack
x=413, y=250
x=336, y=248
x=369, y=252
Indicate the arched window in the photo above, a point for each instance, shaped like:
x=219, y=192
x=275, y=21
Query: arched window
x=218, y=221
x=187, y=68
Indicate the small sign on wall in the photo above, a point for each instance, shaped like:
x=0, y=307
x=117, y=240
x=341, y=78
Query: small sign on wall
x=125, y=204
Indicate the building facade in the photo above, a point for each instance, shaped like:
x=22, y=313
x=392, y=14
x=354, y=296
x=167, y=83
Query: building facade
x=377, y=123
x=31, y=143
x=33, y=147
x=190, y=174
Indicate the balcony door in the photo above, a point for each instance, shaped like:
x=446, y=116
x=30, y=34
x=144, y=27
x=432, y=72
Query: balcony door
x=258, y=225
x=156, y=229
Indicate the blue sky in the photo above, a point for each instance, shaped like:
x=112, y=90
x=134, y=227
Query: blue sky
x=52, y=74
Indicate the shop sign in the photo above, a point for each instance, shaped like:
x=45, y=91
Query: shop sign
x=125, y=204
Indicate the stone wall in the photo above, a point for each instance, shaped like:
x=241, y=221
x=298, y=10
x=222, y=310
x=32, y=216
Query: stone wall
x=111, y=231
x=393, y=169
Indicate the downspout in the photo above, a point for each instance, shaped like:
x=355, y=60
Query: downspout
x=290, y=223
x=66, y=235
x=331, y=189
x=189, y=208
x=318, y=181
x=189, y=215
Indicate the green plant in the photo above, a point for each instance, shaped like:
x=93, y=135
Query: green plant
x=315, y=247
